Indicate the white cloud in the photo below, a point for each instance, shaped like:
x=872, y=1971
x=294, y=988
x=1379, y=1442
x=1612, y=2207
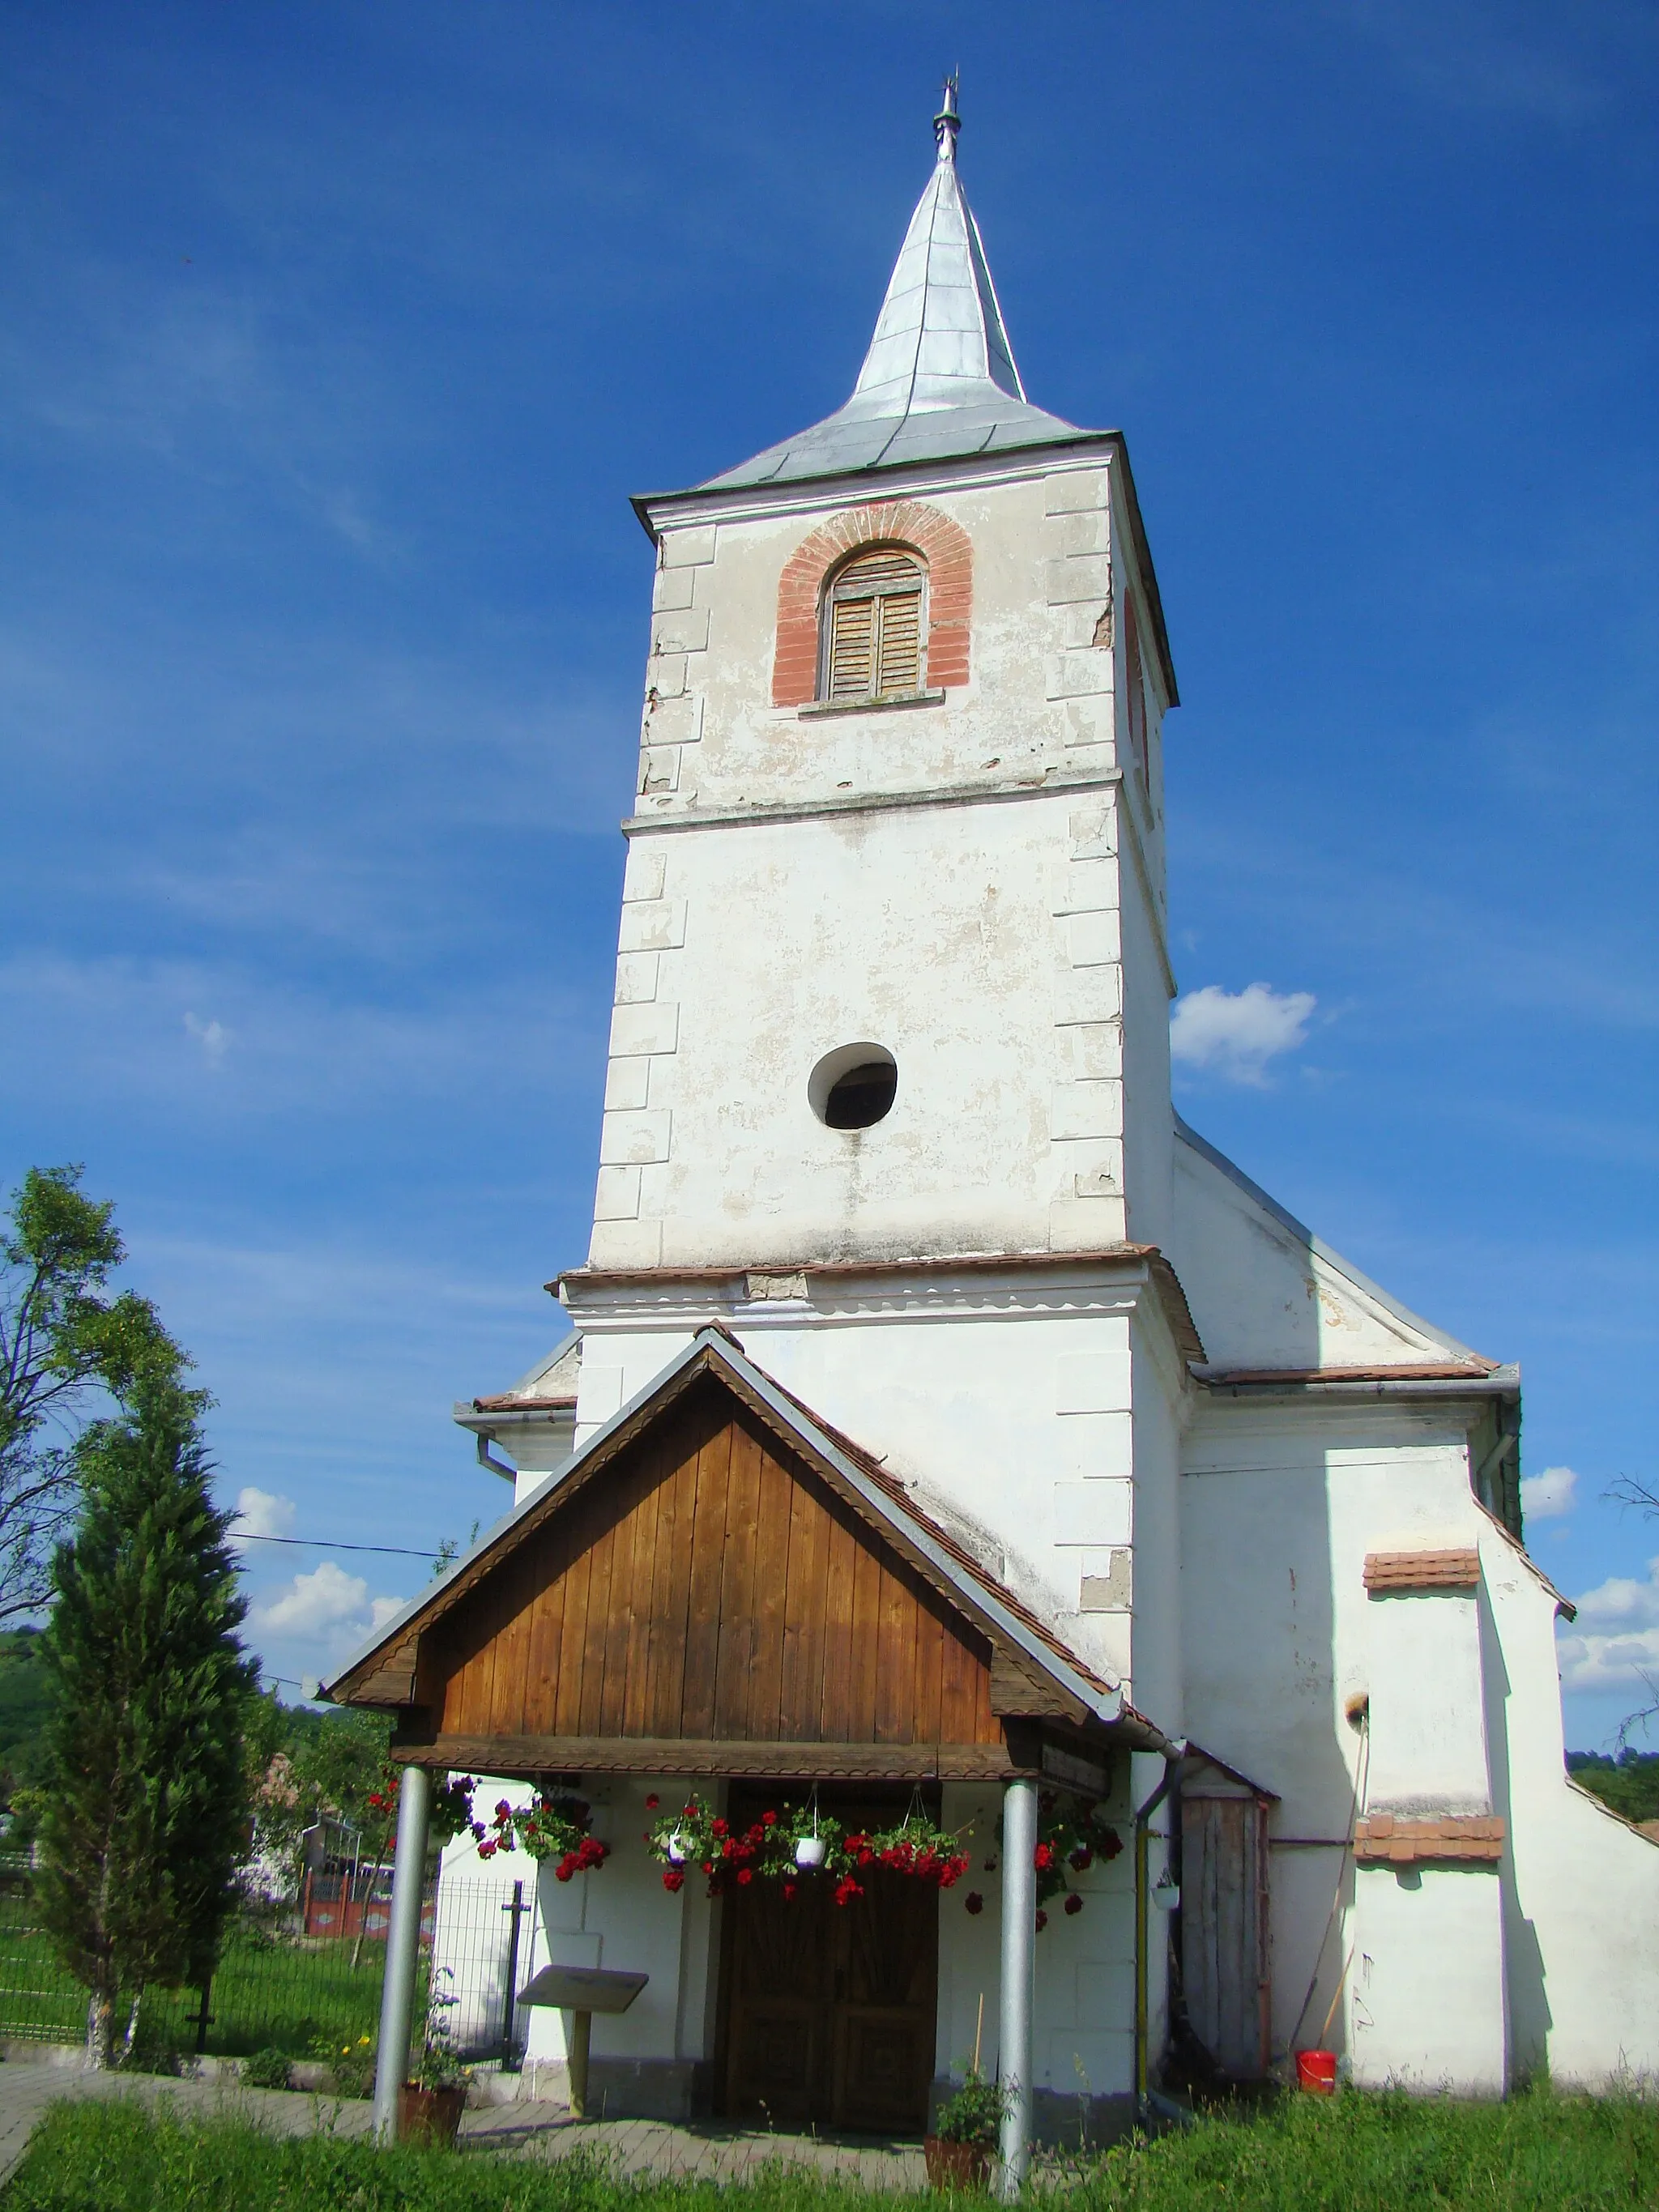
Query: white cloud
x=262, y=1513
x=1548, y=1496
x=326, y=1598
x=1234, y=1034
x=1614, y=1643
x=382, y=1610
x=213, y=1037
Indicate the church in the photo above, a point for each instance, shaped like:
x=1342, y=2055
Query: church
x=953, y=1448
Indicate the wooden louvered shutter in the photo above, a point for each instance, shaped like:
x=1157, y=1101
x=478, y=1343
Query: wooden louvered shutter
x=898, y=662
x=852, y=649
x=873, y=649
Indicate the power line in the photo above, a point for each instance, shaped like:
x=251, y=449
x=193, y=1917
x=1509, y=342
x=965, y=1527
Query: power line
x=328, y=1544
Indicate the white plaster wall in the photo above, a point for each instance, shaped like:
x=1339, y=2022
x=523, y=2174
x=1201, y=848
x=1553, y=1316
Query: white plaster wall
x=472, y=1931
x=1428, y=1726
x=1262, y=1296
x=1582, y=1886
x=1157, y=1669
x=974, y=934
x=1039, y=699
x=978, y=944
x=1148, y=1124
x=1425, y=1992
x=1279, y=1506
x=1082, y=2016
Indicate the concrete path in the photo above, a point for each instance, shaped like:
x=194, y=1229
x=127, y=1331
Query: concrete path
x=711, y=2152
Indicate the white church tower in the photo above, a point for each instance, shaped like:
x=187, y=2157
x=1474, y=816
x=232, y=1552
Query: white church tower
x=942, y=1416
x=888, y=1079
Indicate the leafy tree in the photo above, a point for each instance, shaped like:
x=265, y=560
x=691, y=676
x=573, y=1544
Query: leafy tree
x=146, y=1806
x=64, y=1346
x=1629, y=1783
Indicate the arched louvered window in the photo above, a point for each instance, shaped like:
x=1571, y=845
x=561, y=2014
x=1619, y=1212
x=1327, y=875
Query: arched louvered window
x=873, y=628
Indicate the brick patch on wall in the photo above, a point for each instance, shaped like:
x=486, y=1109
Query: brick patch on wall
x=1450, y=1838
x=1422, y=1570
x=943, y=545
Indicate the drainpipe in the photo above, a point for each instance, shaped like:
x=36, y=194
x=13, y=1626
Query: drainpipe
x=402, y=1948
x=1173, y=1755
x=1019, y=1836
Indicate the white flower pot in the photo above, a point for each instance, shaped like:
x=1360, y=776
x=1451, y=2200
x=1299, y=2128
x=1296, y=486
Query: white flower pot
x=811, y=1850
x=676, y=1852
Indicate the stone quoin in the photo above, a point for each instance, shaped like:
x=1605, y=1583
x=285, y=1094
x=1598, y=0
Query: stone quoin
x=988, y=1449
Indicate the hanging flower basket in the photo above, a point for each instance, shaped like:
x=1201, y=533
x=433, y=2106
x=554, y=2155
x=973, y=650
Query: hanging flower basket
x=797, y=1844
x=554, y=1824
x=1071, y=1834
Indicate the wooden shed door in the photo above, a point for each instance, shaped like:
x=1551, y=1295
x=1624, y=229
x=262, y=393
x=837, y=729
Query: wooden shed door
x=830, y=2009
x=1223, y=1928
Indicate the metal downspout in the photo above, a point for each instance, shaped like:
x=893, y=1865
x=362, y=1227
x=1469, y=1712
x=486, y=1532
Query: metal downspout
x=1019, y=1836
x=402, y=1948
x=1172, y=1760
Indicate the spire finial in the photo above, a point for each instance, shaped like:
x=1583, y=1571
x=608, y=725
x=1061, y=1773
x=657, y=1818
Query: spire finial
x=947, y=122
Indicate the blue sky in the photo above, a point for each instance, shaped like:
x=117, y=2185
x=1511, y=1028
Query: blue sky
x=334, y=340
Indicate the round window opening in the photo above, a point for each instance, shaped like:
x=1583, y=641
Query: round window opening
x=854, y=1088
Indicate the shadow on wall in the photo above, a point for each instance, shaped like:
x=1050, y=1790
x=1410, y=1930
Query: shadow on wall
x=1531, y=2019
x=1262, y=1692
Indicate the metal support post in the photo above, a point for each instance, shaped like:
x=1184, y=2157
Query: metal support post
x=1019, y=1836
x=402, y=1948
x=515, y=1911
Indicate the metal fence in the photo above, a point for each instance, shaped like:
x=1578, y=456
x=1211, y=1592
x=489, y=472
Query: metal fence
x=277, y=1987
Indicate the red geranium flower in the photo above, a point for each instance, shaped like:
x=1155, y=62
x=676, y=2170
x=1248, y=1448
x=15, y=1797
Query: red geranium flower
x=1074, y=1903
x=1041, y=1921
x=974, y=1901
x=674, y=1877
x=770, y=1819
x=653, y=1801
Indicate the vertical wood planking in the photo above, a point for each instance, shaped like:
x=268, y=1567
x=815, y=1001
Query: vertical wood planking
x=800, y=1697
x=573, y=1637
x=896, y=1661
x=866, y=1633
x=703, y=1640
x=958, y=1702
x=835, y=1681
x=671, y=1584
x=709, y=1587
x=624, y=1502
x=600, y=1567
x=512, y=1646
x=547, y=1623
x=777, y=1488
x=738, y=1587
x=930, y=1664
x=636, y=1701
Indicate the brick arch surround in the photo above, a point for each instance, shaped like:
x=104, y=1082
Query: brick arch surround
x=942, y=543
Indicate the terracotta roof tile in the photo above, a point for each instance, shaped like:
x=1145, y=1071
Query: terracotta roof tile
x=1422, y=1570
x=1446, y=1839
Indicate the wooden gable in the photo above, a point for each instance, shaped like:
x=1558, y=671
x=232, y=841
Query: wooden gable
x=709, y=1604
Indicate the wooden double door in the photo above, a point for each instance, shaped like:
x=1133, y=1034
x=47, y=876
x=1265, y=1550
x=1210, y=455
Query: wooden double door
x=827, y=2010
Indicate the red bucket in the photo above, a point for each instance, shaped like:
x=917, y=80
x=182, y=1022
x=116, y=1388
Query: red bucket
x=1316, y=2070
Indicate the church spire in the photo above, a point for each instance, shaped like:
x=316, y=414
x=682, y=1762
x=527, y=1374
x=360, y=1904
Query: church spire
x=939, y=333
x=947, y=123
x=938, y=379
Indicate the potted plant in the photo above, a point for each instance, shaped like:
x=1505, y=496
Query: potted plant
x=433, y=2098
x=959, y=2151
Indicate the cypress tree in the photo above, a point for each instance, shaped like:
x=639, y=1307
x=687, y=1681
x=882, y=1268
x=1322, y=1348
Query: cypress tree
x=147, y=1802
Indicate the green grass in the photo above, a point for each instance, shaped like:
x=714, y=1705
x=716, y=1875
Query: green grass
x=266, y=1996
x=1538, y=2153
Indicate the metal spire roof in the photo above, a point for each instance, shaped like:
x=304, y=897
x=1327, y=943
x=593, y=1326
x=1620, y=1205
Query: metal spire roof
x=939, y=380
